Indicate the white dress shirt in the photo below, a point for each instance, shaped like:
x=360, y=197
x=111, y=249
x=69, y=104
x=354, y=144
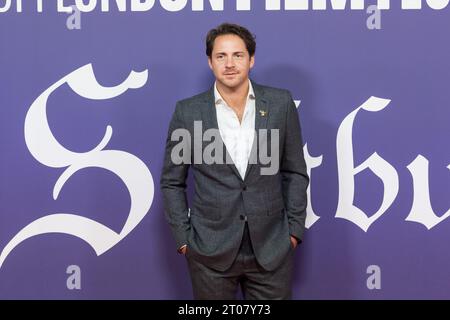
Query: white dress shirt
x=238, y=137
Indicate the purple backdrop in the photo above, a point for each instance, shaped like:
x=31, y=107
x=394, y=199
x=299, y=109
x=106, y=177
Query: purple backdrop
x=329, y=59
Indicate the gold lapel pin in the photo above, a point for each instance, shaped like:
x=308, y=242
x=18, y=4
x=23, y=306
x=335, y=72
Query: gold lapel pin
x=262, y=113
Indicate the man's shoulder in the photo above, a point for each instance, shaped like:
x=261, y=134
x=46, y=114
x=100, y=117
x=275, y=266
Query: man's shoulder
x=194, y=100
x=271, y=93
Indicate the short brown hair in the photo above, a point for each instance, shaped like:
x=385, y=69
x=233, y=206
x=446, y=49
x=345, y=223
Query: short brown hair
x=229, y=28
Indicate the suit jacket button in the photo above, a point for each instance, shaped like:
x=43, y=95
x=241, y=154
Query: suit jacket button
x=244, y=188
x=242, y=217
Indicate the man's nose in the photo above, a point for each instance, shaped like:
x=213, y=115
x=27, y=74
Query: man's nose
x=229, y=62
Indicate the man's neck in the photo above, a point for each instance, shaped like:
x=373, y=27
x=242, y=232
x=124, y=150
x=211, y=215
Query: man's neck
x=234, y=97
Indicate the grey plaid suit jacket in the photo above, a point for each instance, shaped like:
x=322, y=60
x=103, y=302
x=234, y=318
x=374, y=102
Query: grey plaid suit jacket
x=274, y=205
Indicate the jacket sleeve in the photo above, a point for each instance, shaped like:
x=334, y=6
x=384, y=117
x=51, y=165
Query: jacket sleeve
x=173, y=183
x=294, y=173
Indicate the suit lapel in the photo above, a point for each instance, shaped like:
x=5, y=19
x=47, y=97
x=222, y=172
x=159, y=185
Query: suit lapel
x=209, y=117
x=261, y=108
x=261, y=115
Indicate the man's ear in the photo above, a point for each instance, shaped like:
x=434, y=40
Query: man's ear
x=252, y=61
x=209, y=63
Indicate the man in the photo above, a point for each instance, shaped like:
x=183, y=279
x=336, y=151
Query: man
x=244, y=223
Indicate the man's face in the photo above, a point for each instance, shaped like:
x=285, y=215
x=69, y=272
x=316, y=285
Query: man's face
x=230, y=61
